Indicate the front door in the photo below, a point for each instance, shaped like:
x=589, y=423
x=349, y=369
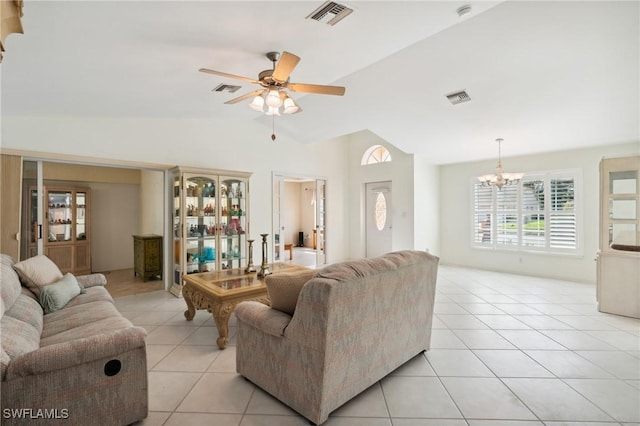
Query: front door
x=378, y=218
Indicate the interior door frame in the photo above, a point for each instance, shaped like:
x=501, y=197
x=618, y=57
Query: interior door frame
x=279, y=178
x=43, y=157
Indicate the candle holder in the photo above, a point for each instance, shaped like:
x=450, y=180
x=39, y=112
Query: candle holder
x=264, y=268
x=250, y=267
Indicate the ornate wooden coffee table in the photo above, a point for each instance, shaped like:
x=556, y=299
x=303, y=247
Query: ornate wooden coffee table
x=219, y=292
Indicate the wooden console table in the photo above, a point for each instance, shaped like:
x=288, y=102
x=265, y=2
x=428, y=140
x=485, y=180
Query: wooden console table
x=220, y=291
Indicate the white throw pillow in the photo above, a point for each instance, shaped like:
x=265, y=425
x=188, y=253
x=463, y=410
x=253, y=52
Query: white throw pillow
x=37, y=272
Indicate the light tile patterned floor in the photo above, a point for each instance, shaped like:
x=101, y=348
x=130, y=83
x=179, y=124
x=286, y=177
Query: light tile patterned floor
x=506, y=350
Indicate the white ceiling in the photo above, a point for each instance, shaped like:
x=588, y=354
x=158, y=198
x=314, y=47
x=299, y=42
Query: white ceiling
x=544, y=76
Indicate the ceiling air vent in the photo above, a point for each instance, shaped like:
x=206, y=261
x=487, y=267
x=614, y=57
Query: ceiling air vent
x=226, y=88
x=330, y=13
x=458, y=97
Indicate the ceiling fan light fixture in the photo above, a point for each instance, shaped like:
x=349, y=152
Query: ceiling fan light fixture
x=290, y=106
x=272, y=111
x=257, y=104
x=273, y=99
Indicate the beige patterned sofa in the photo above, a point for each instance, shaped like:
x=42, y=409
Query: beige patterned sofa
x=82, y=364
x=351, y=324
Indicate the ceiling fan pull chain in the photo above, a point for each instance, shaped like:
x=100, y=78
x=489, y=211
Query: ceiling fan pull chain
x=273, y=127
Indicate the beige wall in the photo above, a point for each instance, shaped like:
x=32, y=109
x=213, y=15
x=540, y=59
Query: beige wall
x=152, y=202
x=291, y=212
x=114, y=219
x=85, y=173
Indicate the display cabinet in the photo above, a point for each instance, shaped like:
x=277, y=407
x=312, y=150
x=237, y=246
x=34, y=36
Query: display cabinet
x=66, y=228
x=618, y=261
x=210, y=216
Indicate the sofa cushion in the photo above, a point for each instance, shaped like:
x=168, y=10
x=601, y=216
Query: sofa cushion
x=83, y=324
x=73, y=317
x=10, y=286
x=21, y=328
x=55, y=296
x=284, y=288
x=38, y=271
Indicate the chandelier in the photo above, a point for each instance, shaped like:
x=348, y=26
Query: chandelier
x=500, y=178
x=274, y=101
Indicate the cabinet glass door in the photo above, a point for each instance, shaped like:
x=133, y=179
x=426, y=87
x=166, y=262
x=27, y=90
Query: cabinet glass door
x=233, y=223
x=623, y=207
x=33, y=218
x=177, y=231
x=59, y=216
x=81, y=216
x=200, y=224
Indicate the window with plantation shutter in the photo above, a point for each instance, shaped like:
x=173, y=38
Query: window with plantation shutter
x=562, y=215
x=533, y=223
x=538, y=214
x=483, y=212
x=507, y=216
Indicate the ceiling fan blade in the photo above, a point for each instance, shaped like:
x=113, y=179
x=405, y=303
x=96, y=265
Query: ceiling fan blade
x=245, y=96
x=316, y=88
x=224, y=74
x=285, y=65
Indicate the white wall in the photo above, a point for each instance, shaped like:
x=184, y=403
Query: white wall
x=400, y=172
x=426, y=206
x=456, y=209
x=220, y=143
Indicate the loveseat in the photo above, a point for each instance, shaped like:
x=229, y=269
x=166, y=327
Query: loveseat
x=329, y=334
x=81, y=363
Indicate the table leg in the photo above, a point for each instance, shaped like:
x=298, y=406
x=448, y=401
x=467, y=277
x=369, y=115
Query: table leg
x=191, y=309
x=221, y=313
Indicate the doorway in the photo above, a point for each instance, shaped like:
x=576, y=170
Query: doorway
x=121, y=201
x=378, y=218
x=299, y=218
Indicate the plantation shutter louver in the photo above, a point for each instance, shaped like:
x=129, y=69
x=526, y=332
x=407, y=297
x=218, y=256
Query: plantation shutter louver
x=562, y=226
x=483, y=207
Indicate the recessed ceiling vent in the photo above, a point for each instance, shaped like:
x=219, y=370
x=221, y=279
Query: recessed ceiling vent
x=226, y=88
x=330, y=13
x=458, y=97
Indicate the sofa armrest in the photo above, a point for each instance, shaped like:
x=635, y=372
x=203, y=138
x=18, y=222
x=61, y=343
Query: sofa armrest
x=76, y=352
x=263, y=317
x=92, y=280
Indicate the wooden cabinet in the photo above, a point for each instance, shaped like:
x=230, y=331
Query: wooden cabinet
x=66, y=232
x=67, y=228
x=618, y=290
x=147, y=252
x=210, y=221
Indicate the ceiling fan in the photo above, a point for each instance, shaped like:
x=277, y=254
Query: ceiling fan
x=275, y=81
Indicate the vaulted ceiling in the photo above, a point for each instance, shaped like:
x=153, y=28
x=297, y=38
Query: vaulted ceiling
x=544, y=76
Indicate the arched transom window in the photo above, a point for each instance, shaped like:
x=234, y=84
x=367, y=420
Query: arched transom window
x=376, y=154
